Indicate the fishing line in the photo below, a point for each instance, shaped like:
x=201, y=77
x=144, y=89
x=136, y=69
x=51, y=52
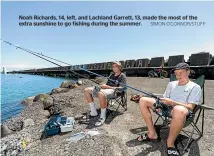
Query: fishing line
x=115, y=81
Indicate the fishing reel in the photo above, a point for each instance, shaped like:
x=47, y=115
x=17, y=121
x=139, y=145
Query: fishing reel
x=97, y=88
x=117, y=82
x=160, y=105
x=161, y=108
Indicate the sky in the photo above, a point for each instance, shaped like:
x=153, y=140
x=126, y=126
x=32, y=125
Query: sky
x=83, y=45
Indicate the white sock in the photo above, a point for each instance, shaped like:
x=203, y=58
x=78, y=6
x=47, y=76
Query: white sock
x=103, y=113
x=93, y=109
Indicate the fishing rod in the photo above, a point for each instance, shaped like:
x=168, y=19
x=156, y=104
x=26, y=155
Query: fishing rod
x=38, y=55
x=115, y=81
x=30, y=51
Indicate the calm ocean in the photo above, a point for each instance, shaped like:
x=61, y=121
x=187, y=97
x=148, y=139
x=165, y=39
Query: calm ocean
x=16, y=87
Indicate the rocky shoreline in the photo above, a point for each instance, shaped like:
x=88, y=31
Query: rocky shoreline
x=21, y=134
x=29, y=124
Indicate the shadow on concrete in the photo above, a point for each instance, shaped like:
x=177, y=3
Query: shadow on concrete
x=90, y=122
x=161, y=146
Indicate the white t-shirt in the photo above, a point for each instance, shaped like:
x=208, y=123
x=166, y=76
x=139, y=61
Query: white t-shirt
x=189, y=93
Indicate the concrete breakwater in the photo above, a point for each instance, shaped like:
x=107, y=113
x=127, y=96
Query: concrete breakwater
x=201, y=64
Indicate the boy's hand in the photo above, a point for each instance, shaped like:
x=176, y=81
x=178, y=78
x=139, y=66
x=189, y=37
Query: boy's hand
x=167, y=101
x=102, y=85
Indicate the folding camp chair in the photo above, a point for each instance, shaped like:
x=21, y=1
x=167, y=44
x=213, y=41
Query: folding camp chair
x=119, y=99
x=198, y=110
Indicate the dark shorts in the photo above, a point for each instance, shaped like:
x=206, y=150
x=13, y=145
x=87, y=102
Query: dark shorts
x=166, y=111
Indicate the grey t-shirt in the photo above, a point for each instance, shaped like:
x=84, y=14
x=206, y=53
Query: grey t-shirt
x=189, y=93
x=120, y=78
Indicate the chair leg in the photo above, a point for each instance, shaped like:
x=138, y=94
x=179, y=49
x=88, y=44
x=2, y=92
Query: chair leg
x=109, y=103
x=195, y=123
x=125, y=107
x=198, y=116
x=118, y=101
x=121, y=101
x=189, y=140
x=197, y=129
x=124, y=102
x=156, y=120
x=164, y=124
x=118, y=106
x=194, y=127
x=202, y=128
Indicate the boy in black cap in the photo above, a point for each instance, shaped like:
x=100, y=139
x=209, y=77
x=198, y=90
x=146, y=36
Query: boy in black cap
x=181, y=96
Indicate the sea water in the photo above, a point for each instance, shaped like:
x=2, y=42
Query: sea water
x=17, y=87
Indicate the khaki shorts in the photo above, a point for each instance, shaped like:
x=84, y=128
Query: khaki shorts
x=109, y=93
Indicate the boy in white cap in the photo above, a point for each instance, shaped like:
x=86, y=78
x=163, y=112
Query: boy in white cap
x=104, y=91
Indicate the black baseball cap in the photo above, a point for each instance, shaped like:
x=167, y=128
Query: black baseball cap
x=182, y=66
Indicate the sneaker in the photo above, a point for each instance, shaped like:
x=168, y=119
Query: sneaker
x=172, y=151
x=100, y=122
x=89, y=116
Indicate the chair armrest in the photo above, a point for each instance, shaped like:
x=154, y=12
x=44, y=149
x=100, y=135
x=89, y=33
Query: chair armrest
x=159, y=95
x=205, y=107
x=156, y=94
x=120, y=89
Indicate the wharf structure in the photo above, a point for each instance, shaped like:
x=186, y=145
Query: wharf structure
x=202, y=63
